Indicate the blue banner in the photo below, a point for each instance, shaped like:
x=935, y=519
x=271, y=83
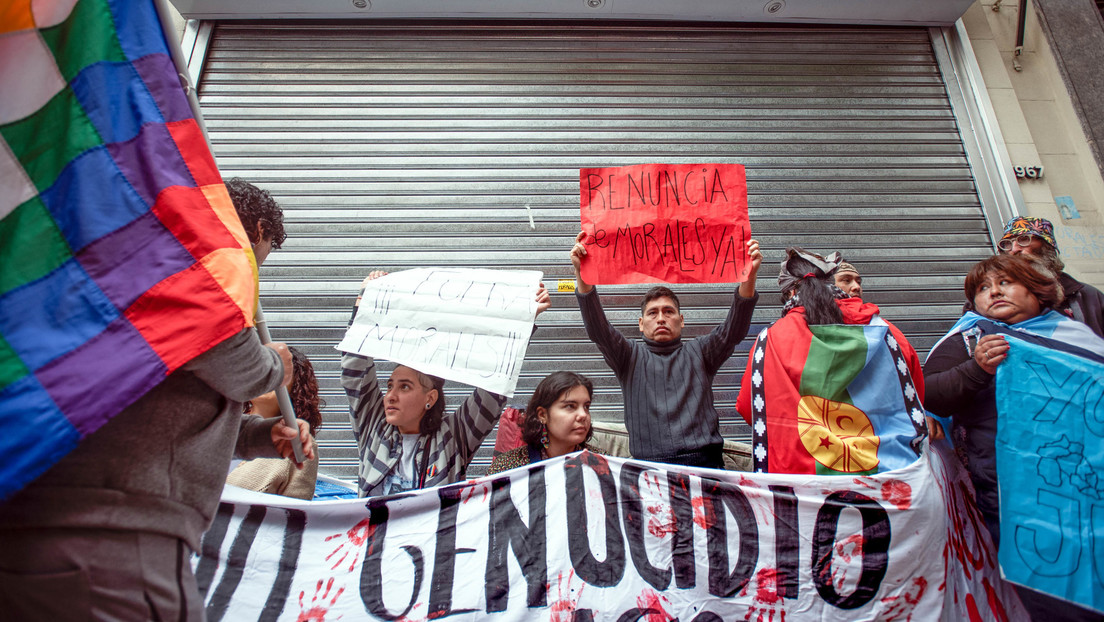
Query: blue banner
x=1050, y=465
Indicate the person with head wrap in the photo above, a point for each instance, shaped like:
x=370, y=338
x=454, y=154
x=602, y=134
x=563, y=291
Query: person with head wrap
x=830, y=388
x=1034, y=237
x=849, y=280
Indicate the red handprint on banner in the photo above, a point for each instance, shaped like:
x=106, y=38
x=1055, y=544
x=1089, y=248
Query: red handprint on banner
x=354, y=542
x=767, y=602
x=317, y=610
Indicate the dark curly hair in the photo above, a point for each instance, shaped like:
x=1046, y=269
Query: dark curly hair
x=545, y=395
x=260, y=214
x=304, y=391
x=1032, y=274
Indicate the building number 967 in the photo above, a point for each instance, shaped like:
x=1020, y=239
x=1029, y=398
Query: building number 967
x=1028, y=172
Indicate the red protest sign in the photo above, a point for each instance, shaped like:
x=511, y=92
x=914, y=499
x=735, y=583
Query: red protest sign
x=672, y=223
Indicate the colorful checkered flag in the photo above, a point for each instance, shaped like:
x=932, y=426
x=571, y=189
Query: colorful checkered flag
x=121, y=255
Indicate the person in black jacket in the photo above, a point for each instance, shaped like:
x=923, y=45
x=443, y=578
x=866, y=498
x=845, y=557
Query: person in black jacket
x=1034, y=237
x=959, y=381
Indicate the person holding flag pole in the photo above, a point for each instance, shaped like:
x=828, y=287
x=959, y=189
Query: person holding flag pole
x=127, y=296
x=262, y=241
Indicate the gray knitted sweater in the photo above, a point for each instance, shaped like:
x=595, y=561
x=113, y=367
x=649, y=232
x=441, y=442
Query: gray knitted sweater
x=668, y=387
x=159, y=465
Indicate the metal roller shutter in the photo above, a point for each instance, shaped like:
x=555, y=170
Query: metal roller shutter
x=396, y=145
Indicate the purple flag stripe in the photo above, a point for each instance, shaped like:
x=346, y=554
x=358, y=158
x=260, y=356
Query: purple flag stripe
x=160, y=77
x=133, y=259
x=122, y=360
x=151, y=162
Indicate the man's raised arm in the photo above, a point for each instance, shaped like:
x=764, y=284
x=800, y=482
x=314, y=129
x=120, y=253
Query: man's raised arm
x=577, y=253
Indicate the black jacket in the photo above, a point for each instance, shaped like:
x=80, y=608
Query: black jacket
x=1084, y=302
x=956, y=386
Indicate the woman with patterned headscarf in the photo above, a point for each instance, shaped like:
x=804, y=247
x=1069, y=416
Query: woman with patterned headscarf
x=830, y=388
x=1034, y=238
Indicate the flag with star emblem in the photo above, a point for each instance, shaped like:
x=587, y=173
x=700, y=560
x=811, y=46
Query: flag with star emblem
x=836, y=399
x=121, y=255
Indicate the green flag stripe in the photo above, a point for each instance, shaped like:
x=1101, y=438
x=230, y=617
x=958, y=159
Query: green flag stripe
x=31, y=246
x=836, y=355
x=85, y=38
x=11, y=367
x=35, y=139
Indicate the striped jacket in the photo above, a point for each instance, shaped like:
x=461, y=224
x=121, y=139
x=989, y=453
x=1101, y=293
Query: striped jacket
x=443, y=456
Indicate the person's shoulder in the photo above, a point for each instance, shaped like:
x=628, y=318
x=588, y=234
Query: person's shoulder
x=518, y=456
x=794, y=319
x=1090, y=289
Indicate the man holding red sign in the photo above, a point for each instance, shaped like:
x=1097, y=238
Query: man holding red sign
x=680, y=223
x=666, y=382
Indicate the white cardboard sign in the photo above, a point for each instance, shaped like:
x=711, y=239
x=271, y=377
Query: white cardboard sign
x=471, y=325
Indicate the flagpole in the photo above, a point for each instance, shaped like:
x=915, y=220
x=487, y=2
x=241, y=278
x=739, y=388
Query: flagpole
x=162, y=8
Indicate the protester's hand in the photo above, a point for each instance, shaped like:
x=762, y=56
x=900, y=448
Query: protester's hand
x=577, y=253
x=755, y=260
x=935, y=430
x=374, y=274
x=991, y=350
x=285, y=357
x=544, y=300
x=282, y=434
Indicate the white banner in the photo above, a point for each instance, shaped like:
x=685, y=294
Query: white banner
x=470, y=325
x=588, y=537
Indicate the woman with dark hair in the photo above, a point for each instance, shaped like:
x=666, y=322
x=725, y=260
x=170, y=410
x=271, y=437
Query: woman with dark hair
x=959, y=375
x=555, y=423
x=404, y=438
x=281, y=476
x=833, y=387
x=1015, y=292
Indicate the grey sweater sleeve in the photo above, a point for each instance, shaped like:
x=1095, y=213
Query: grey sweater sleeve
x=475, y=419
x=239, y=368
x=719, y=344
x=255, y=438
x=611, y=343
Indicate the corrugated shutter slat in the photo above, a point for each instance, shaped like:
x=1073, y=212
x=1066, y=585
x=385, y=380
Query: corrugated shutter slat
x=396, y=145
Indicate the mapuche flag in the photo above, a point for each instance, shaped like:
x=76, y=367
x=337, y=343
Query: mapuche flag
x=121, y=255
x=837, y=399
